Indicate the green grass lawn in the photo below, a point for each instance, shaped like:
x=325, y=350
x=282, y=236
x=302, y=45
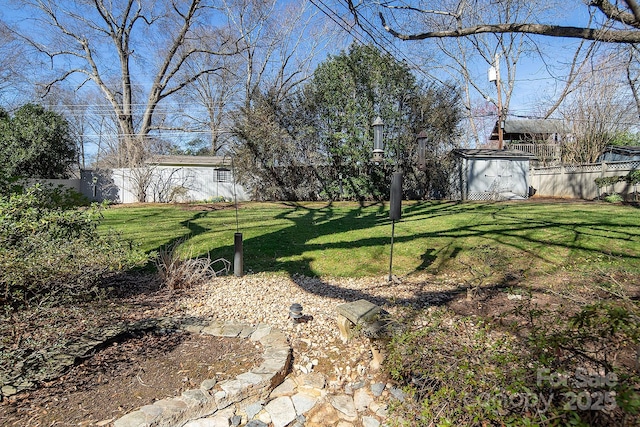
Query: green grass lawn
x=346, y=239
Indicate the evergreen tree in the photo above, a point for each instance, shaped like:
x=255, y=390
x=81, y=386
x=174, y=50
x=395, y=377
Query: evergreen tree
x=35, y=143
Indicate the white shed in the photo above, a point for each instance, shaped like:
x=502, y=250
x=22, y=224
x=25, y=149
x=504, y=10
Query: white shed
x=489, y=174
x=178, y=179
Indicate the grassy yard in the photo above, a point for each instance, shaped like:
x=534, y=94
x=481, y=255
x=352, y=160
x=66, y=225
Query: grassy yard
x=554, y=291
x=349, y=240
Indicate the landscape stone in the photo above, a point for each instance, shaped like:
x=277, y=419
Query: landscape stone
x=253, y=378
x=215, y=329
x=231, y=330
x=203, y=422
x=264, y=416
x=287, y=388
x=171, y=405
x=253, y=409
x=322, y=415
x=234, y=388
x=281, y=411
x=314, y=380
x=303, y=402
x=195, y=397
x=362, y=399
x=344, y=404
x=377, y=389
x=152, y=411
x=217, y=421
x=256, y=423
x=9, y=390
x=132, y=419
x=397, y=393
x=260, y=332
x=208, y=384
x=194, y=329
x=274, y=338
x=370, y=422
x=246, y=332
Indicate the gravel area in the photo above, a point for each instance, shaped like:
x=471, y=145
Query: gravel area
x=266, y=298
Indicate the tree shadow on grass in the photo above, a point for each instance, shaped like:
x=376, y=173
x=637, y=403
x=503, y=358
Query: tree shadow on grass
x=324, y=231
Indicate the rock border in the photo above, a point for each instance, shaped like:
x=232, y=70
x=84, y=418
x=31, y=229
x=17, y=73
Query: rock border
x=211, y=397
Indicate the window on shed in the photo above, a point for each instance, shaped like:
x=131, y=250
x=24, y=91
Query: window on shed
x=223, y=175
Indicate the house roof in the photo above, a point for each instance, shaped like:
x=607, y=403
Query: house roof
x=210, y=161
x=532, y=127
x=479, y=153
x=629, y=150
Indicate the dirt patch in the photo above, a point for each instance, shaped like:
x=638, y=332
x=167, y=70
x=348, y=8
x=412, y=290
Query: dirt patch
x=128, y=375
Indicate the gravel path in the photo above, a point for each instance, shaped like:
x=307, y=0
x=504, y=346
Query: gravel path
x=266, y=298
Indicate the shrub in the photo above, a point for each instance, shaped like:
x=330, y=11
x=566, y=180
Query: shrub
x=177, y=272
x=607, y=181
x=569, y=370
x=50, y=252
x=633, y=177
x=613, y=198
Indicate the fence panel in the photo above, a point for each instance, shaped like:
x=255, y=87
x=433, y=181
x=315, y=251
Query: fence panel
x=578, y=181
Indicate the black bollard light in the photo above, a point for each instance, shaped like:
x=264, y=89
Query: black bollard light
x=395, y=212
x=238, y=267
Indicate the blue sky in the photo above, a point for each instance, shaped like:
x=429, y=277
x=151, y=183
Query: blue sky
x=534, y=84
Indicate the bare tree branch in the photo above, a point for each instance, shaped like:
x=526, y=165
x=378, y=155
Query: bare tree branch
x=603, y=35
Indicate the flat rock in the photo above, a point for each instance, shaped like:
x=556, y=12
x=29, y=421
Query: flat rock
x=370, y=422
x=344, y=403
x=303, y=402
x=358, y=311
x=362, y=399
x=314, y=380
x=322, y=416
x=253, y=409
x=281, y=410
x=287, y=388
x=377, y=389
x=260, y=332
x=231, y=330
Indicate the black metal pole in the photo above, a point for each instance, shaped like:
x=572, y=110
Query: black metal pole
x=238, y=266
x=393, y=230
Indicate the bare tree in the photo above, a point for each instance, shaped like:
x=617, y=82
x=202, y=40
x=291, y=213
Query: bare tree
x=617, y=22
x=212, y=97
x=13, y=66
x=132, y=50
x=464, y=54
x=633, y=74
x=599, y=111
x=280, y=43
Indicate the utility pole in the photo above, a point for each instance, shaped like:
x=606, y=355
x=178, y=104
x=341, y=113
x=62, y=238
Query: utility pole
x=494, y=76
x=499, y=90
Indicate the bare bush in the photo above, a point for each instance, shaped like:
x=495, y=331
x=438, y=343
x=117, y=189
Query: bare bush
x=177, y=272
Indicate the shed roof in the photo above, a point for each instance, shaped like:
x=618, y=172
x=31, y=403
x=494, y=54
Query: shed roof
x=210, y=161
x=491, y=153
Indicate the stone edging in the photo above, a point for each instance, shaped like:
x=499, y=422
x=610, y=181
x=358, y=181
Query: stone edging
x=246, y=388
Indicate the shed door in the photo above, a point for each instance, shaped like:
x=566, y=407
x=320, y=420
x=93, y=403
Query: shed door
x=499, y=176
